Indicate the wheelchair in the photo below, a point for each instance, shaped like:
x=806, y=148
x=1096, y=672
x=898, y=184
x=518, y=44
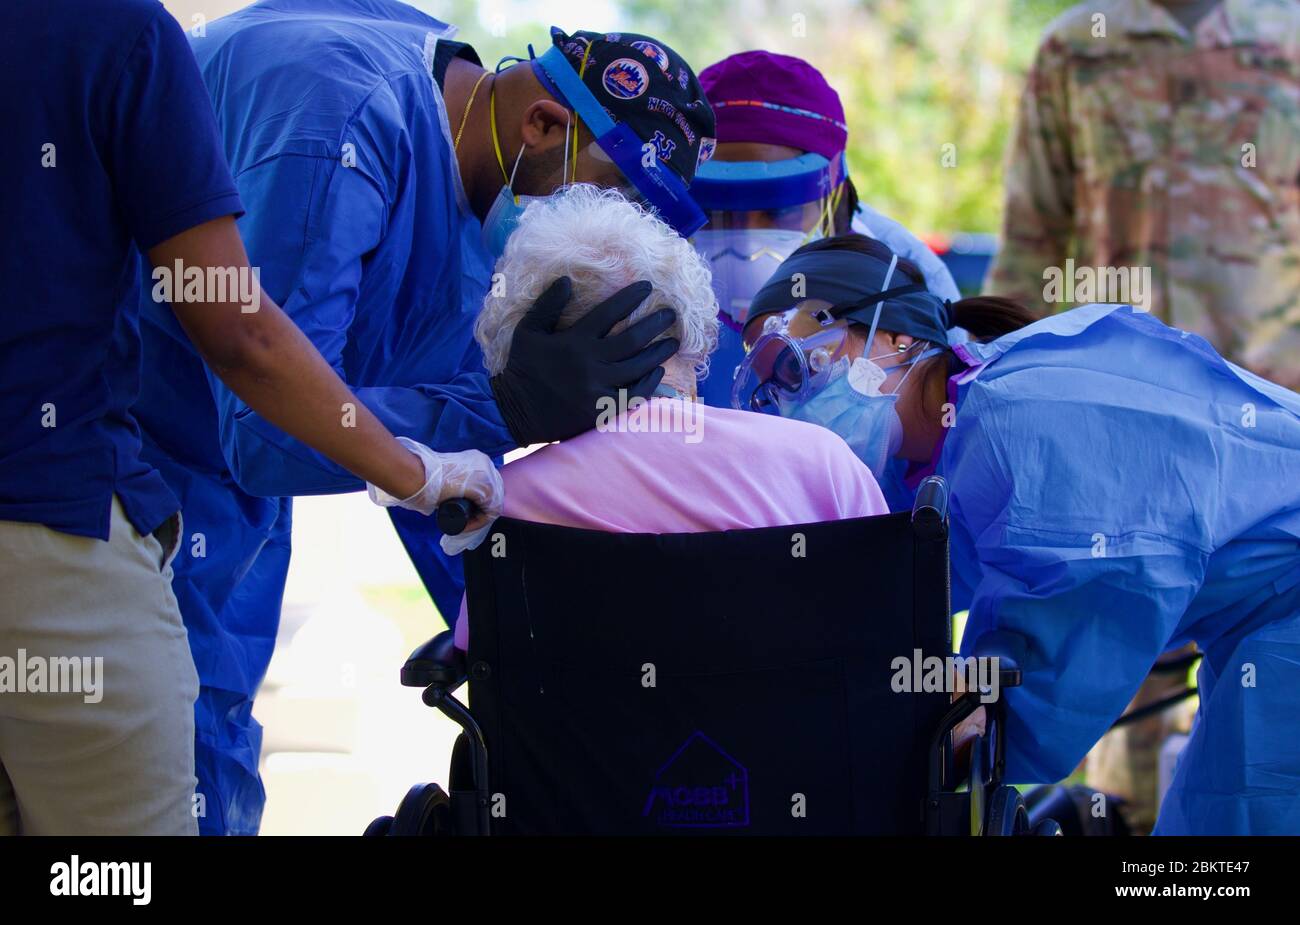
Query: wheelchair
x=709, y=684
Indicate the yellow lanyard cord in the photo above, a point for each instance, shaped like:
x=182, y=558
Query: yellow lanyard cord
x=492, y=117
x=496, y=142
x=465, y=115
x=827, y=219
x=582, y=69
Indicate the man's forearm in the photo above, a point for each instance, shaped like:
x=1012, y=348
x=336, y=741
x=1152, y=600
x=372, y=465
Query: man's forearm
x=281, y=376
x=272, y=366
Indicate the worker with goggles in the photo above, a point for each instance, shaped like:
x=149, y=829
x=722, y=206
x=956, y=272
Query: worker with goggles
x=814, y=355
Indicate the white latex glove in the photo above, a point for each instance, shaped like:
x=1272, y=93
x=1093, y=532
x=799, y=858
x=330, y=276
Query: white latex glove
x=467, y=474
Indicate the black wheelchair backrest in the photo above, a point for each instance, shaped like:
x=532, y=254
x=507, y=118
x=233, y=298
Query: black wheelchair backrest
x=740, y=682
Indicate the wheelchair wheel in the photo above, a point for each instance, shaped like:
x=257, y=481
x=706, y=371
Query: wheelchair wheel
x=425, y=810
x=1006, y=813
x=382, y=825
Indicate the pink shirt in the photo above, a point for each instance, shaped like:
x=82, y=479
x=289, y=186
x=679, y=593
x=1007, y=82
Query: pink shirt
x=699, y=469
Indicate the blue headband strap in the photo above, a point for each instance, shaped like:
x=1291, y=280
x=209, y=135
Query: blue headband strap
x=661, y=187
x=742, y=186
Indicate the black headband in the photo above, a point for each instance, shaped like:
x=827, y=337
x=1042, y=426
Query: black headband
x=851, y=282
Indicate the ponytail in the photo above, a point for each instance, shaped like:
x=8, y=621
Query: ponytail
x=989, y=316
x=985, y=318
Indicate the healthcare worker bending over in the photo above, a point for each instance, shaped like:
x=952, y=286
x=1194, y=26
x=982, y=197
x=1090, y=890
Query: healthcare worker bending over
x=1118, y=489
x=779, y=179
x=382, y=168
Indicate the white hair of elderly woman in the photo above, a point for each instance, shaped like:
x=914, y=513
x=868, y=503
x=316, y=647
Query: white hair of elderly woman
x=602, y=242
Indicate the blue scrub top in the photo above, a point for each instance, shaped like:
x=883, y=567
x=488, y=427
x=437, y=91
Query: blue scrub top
x=359, y=226
x=1118, y=490
x=356, y=222
x=111, y=149
x=340, y=148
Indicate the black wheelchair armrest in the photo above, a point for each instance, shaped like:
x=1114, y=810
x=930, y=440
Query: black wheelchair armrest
x=1008, y=649
x=438, y=661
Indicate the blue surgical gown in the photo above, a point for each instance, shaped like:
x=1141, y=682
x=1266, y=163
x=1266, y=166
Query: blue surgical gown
x=1118, y=490
x=338, y=142
x=715, y=389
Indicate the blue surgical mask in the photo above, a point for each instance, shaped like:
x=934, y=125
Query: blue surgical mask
x=869, y=424
x=502, y=219
x=853, y=406
x=503, y=216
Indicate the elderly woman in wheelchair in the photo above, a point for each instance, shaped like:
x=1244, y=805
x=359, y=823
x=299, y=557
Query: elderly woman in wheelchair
x=658, y=634
x=670, y=465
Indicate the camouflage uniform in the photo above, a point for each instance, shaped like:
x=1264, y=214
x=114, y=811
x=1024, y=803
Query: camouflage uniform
x=1133, y=149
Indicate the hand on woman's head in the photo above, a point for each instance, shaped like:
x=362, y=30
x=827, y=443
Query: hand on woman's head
x=600, y=241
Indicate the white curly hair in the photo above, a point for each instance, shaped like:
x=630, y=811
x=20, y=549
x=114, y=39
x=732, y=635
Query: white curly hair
x=602, y=242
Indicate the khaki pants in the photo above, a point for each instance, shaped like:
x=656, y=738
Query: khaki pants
x=97, y=684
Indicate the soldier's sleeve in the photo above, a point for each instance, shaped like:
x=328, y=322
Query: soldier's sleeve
x=1038, y=218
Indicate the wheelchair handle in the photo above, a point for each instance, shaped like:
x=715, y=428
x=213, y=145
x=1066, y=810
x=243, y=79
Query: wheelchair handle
x=930, y=511
x=453, y=515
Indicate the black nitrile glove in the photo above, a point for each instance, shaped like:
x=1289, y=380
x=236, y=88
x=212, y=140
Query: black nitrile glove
x=553, y=379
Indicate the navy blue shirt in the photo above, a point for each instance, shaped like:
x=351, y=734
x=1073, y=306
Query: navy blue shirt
x=113, y=149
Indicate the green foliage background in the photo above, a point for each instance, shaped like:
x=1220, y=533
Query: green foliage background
x=914, y=75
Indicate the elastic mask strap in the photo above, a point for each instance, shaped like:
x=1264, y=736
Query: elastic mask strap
x=911, y=365
x=875, y=319
x=514, y=170
x=825, y=220
x=572, y=117
x=895, y=354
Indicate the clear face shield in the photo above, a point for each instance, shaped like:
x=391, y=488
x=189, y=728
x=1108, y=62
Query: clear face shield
x=759, y=214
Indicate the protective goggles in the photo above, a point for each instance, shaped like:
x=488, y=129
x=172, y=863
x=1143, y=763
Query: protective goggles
x=660, y=188
x=782, y=369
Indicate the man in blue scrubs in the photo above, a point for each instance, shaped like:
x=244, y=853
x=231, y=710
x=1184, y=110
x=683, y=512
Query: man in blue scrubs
x=381, y=167
x=114, y=151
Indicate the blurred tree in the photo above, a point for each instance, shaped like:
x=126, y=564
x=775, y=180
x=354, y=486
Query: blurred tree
x=915, y=76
